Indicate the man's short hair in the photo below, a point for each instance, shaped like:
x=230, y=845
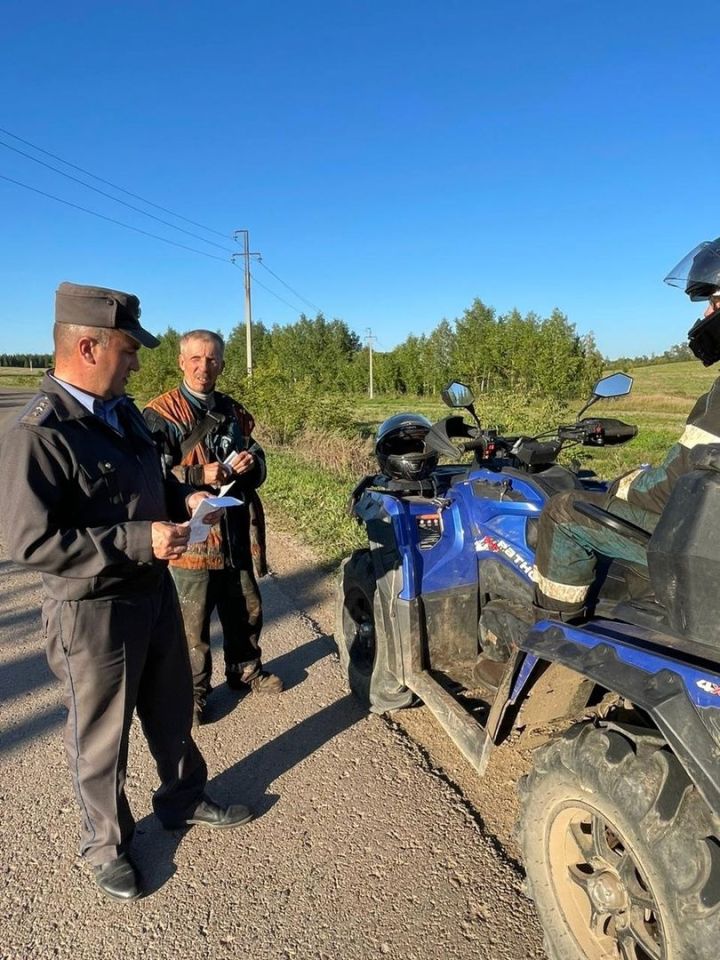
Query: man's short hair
x=207, y=335
x=66, y=335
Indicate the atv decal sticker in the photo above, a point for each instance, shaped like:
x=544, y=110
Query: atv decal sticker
x=709, y=687
x=490, y=545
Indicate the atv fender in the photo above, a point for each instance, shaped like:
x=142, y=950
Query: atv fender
x=658, y=690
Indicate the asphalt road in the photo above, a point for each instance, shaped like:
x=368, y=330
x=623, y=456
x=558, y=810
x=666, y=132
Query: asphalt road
x=362, y=847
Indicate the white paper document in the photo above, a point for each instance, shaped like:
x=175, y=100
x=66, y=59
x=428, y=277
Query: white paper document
x=198, y=530
x=227, y=461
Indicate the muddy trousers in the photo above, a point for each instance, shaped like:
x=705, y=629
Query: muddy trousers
x=114, y=656
x=235, y=594
x=571, y=544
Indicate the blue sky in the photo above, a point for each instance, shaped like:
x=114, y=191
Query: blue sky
x=392, y=160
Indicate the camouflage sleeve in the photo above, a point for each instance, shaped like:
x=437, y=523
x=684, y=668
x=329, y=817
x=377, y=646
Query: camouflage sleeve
x=650, y=489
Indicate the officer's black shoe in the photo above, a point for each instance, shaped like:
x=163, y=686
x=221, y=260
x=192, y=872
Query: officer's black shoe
x=118, y=879
x=210, y=814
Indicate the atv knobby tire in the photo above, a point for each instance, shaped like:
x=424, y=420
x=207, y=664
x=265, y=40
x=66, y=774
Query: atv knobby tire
x=621, y=851
x=361, y=647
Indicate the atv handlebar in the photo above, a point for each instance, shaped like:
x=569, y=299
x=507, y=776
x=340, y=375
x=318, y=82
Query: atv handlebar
x=598, y=431
x=529, y=452
x=480, y=443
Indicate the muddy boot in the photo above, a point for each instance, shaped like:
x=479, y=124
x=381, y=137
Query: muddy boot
x=252, y=679
x=503, y=624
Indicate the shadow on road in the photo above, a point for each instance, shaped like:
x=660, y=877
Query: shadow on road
x=20, y=677
x=290, y=667
x=17, y=737
x=247, y=782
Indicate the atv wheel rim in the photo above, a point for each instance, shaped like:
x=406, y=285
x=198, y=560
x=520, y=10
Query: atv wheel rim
x=359, y=628
x=601, y=892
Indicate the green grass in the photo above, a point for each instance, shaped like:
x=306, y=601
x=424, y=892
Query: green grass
x=312, y=503
x=20, y=377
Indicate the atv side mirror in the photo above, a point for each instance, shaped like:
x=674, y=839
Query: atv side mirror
x=614, y=385
x=457, y=394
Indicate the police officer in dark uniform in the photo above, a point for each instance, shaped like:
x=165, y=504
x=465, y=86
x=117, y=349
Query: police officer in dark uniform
x=87, y=505
x=569, y=543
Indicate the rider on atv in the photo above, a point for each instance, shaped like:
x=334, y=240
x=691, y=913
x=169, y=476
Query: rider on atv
x=569, y=542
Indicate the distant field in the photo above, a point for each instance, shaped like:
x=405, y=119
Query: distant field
x=662, y=397
x=20, y=377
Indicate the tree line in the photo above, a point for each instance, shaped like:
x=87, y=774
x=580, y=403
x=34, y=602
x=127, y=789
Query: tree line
x=32, y=361
x=492, y=352
x=674, y=354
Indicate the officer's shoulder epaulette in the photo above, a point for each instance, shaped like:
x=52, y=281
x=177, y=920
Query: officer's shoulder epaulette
x=37, y=411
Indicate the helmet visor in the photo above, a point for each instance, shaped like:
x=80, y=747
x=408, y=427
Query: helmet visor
x=698, y=273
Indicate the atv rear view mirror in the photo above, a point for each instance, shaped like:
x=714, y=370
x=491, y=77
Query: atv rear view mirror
x=614, y=385
x=457, y=394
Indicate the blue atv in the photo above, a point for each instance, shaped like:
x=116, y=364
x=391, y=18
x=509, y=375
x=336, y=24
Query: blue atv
x=620, y=813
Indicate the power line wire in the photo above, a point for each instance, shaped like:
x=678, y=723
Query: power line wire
x=145, y=233
x=300, y=296
x=293, y=306
x=109, y=196
x=108, y=183
x=277, y=296
x=137, y=210
x=101, y=216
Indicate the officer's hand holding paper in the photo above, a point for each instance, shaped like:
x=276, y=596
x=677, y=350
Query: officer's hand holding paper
x=199, y=528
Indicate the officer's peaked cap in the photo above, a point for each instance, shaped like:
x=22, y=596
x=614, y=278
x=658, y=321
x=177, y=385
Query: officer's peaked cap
x=100, y=307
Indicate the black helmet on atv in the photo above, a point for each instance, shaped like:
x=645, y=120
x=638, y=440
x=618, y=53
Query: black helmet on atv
x=699, y=273
x=401, y=450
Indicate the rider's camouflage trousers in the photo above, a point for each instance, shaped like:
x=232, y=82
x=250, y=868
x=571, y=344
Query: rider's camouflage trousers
x=570, y=546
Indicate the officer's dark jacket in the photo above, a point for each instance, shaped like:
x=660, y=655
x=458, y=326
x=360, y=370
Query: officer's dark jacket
x=650, y=489
x=79, y=498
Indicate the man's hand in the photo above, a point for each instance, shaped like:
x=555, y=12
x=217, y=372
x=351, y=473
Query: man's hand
x=241, y=463
x=169, y=540
x=193, y=502
x=215, y=474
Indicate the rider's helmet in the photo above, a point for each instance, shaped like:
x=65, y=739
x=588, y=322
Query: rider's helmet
x=401, y=449
x=698, y=271
x=699, y=274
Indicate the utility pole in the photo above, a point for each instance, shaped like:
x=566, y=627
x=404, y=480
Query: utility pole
x=369, y=338
x=248, y=304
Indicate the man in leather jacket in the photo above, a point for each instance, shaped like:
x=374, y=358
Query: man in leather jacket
x=569, y=543
x=207, y=440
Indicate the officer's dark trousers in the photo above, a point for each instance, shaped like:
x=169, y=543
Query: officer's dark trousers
x=570, y=545
x=236, y=596
x=114, y=656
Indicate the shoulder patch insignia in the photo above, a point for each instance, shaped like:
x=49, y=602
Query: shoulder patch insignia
x=37, y=411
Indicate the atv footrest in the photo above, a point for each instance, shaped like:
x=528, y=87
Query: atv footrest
x=464, y=731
